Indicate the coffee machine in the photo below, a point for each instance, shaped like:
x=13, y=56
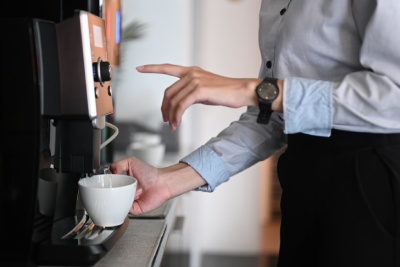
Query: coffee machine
x=55, y=97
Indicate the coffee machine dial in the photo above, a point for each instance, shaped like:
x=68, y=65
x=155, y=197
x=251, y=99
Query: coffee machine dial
x=102, y=71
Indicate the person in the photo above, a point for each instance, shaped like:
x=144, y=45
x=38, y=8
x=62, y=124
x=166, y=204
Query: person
x=334, y=69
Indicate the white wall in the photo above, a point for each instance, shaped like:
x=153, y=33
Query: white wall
x=167, y=38
x=220, y=36
x=227, y=44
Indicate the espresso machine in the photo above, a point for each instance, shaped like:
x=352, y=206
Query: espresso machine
x=55, y=97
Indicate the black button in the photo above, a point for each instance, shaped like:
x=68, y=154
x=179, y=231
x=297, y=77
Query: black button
x=268, y=64
x=283, y=11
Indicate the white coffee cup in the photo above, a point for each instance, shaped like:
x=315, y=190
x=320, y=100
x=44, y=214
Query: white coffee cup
x=107, y=198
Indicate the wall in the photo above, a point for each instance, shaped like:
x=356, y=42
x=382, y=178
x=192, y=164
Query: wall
x=166, y=37
x=220, y=36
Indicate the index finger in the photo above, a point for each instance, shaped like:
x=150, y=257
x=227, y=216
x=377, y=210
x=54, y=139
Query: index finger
x=120, y=166
x=169, y=69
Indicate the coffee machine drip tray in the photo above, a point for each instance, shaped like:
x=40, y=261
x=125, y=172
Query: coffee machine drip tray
x=77, y=241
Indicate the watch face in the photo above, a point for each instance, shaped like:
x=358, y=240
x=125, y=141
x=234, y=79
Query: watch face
x=267, y=91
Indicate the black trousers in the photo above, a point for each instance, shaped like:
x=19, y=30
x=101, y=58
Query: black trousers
x=340, y=200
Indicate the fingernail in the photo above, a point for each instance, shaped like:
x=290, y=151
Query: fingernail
x=139, y=68
x=172, y=126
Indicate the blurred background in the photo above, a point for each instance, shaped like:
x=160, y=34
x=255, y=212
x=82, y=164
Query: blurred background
x=238, y=224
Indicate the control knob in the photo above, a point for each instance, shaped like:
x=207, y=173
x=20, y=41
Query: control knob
x=102, y=71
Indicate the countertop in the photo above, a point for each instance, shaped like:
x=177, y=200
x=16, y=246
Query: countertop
x=144, y=241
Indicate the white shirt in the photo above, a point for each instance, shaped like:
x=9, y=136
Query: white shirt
x=340, y=62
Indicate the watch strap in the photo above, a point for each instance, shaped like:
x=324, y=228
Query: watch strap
x=265, y=113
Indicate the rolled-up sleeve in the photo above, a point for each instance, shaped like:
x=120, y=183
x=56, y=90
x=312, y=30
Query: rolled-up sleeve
x=239, y=146
x=308, y=106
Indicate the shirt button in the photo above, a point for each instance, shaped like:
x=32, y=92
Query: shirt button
x=268, y=64
x=283, y=11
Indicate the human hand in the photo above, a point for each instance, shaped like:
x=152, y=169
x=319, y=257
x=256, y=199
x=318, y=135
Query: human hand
x=151, y=192
x=155, y=186
x=197, y=86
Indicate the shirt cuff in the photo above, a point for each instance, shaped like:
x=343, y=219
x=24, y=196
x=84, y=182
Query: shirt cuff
x=210, y=167
x=308, y=106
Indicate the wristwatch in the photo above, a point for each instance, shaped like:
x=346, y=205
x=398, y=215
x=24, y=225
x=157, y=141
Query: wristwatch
x=267, y=91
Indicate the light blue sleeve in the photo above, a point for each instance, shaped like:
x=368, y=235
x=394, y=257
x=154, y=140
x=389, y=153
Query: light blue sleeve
x=211, y=167
x=239, y=146
x=308, y=106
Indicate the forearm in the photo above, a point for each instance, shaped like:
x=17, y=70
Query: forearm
x=180, y=178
